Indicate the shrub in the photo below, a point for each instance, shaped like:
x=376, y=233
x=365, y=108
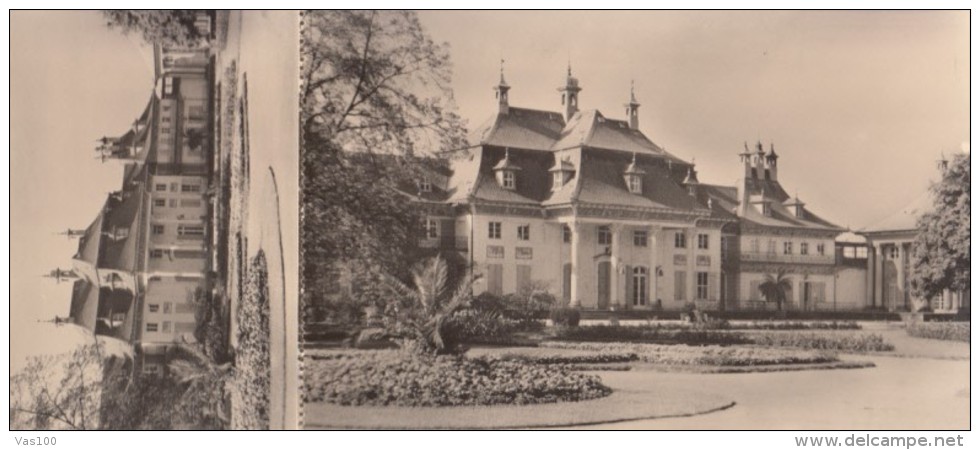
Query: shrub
x=946, y=331
x=211, y=332
x=840, y=342
x=773, y=325
x=390, y=378
x=565, y=317
x=251, y=389
x=475, y=326
x=620, y=333
x=712, y=355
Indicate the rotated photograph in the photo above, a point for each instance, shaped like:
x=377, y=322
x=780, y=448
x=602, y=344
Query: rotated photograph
x=153, y=192
x=696, y=220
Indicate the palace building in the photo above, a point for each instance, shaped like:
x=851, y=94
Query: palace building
x=592, y=208
x=145, y=255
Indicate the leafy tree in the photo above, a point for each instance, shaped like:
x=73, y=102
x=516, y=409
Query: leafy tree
x=165, y=27
x=941, y=251
x=375, y=92
x=424, y=308
x=774, y=288
x=60, y=392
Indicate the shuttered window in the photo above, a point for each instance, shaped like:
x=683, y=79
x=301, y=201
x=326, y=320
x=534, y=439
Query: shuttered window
x=680, y=285
x=495, y=279
x=523, y=277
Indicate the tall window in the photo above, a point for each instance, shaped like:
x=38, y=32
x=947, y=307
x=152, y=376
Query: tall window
x=509, y=179
x=766, y=209
x=566, y=233
x=636, y=184
x=680, y=240
x=431, y=228
x=494, y=230
x=787, y=248
x=702, y=286
x=804, y=248
x=820, y=249
x=702, y=241
x=640, y=294
x=754, y=244
x=639, y=238
x=772, y=247
x=524, y=232
x=557, y=181
x=604, y=236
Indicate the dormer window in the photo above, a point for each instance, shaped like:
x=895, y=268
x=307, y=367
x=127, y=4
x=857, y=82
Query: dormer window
x=766, y=210
x=425, y=185
x=636, y=184
x=510, y=181
x=561, y=172
x=634, y=177
x=507, y=172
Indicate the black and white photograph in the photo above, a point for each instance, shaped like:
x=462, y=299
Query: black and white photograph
x=708, y=220
x=153, y=192
x=747, y=227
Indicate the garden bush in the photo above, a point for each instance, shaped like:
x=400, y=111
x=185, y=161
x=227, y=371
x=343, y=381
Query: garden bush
x=712, y=355
x=565, y=317
x=252, y=361
x=393, y=378
x=946, y=331
x=777, y=325
x=840, y=342
x=473, y=326
x=621, y=333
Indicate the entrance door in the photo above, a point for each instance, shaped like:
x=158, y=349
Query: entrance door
x=603, y=284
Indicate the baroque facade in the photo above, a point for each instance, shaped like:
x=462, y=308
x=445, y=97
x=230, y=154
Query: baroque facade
x=590, y=208
x=142, y=260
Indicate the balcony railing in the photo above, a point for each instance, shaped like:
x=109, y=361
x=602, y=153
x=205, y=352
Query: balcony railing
x=787, y=259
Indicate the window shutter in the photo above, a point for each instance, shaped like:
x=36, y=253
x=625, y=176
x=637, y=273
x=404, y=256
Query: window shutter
x=629, y=285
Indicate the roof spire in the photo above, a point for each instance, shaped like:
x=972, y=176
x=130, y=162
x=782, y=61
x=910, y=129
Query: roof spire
x=502, y=102
x=502, y=81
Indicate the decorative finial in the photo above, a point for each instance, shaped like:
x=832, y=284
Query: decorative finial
x=502, y=72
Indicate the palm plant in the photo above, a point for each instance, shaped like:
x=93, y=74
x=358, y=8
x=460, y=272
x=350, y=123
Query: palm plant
x=774, y=288
x=207, y=384
x=427, y=305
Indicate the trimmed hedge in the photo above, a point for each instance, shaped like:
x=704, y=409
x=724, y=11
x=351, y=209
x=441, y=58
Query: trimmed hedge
x=565, y=317
x=704, y=355
x=621, y=333
x=946, y=331
x=386, y=378
x=840, y=342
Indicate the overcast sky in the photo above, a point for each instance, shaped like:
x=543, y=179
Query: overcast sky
x=72, y=81
x=859, y=105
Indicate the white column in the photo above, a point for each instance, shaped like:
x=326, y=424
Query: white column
x=879, y=280
x=616, y=291
x=653, y=271
x=575, y=300
x=900, y=265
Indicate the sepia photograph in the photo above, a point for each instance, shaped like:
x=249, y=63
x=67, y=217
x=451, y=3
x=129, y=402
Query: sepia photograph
x=154, y=220
x=697, y=220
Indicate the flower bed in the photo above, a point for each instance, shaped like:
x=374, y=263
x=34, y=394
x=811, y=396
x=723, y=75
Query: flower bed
x=702, y=355
x=946, y=331
x=848, y=342
x=774, y=325
x=392, y=378
x=620, y=333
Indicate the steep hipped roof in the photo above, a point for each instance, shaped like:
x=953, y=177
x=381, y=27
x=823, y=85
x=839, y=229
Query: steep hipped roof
x=592, y=129
x=520, y=128
x=905, y=219
x=84, y=307
x=602, y=182
x=88, y=243
x=726, y=201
